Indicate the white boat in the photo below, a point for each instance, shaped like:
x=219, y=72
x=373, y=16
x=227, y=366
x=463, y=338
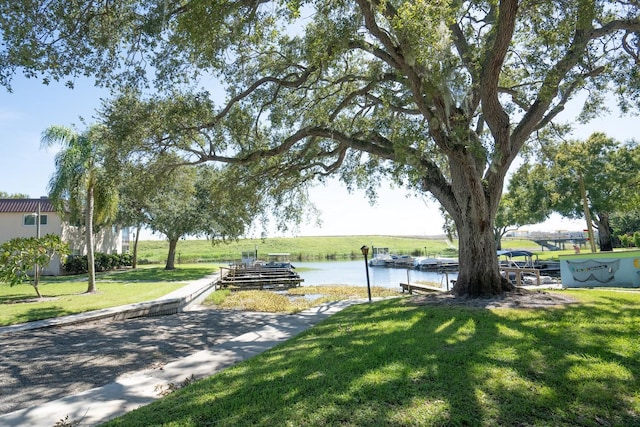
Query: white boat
x=400, y=261
x=425, y=262
x=278, y=260
x=380, y=257
x=437, y=263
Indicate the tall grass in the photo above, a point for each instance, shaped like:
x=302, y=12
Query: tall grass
x=292, y=300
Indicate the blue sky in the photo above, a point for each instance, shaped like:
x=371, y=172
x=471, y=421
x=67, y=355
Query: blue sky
x=26, y=168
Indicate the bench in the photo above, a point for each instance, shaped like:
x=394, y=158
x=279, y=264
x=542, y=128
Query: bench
x=418, y=287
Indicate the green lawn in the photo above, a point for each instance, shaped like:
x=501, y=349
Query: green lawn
x=393, y=363
x=66, y=295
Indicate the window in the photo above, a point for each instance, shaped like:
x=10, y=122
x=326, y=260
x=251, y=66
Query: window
x=30, y=219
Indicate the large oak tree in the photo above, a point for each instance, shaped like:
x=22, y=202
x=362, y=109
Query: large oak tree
x=439, y=95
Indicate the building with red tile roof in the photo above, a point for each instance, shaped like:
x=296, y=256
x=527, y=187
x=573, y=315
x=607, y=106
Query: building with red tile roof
x=37, y=217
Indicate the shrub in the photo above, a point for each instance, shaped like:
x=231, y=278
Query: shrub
x=625, y=240
x=78, y=264
x=102, y=262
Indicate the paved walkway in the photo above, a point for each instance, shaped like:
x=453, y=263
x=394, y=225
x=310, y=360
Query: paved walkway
x=92, y=370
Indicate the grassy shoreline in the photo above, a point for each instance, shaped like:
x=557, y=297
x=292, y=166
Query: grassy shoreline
x=304, y=248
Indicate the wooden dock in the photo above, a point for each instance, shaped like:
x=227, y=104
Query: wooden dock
x=246, y=277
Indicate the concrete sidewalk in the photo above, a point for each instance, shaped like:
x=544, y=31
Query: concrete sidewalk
x=129, y=392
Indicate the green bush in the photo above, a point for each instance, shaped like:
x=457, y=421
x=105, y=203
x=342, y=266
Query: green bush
x=103, y=262
x=628, y=240
x=124, y=260
x=78, y=264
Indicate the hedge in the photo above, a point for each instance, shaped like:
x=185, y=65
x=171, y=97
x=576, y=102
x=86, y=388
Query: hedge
x=78, y=264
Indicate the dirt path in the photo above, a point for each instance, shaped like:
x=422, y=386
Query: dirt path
x=46, y=364
x=519, y=298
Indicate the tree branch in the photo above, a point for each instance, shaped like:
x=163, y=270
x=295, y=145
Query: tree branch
x=498, y=44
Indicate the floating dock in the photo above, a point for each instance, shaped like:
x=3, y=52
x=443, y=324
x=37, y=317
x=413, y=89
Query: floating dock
x=277, y=273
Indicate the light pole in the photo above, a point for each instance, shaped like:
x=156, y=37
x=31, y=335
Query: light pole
x=365, y=252
x=38, y=221
x=36, y=274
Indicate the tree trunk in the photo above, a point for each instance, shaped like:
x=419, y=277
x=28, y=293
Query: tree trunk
x=498, y=234
x=134, y=258
x=478, y=274
x=36, y=279
x=91, y=259
x=37, y=289
x=171, y=257
x=473, y=207
x=605, y=238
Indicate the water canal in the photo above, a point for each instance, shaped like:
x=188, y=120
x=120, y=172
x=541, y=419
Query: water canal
x=353, y=273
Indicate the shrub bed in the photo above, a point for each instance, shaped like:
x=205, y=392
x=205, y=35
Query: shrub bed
x=78, y=264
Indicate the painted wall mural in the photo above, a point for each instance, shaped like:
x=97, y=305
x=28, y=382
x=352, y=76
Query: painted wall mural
x=613, y=269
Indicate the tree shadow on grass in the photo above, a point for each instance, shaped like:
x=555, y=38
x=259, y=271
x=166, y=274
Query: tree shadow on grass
x=421, y=365
x=40, y=313
x=16, y=298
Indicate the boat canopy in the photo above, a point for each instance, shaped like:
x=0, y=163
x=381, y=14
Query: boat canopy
x=511, y=254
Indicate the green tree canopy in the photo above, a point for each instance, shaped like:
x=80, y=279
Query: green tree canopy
x=219, y=203
x=439, y=96
x=628, y=223
x=606, y=167
x=4, y=195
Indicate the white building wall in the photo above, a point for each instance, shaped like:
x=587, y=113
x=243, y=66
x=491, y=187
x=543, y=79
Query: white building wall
x=108, y=241
x=12, y=226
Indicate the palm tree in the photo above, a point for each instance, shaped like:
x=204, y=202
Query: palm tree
x=80, y=184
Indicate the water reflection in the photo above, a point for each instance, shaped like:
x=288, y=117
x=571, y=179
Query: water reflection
x=353, y=273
